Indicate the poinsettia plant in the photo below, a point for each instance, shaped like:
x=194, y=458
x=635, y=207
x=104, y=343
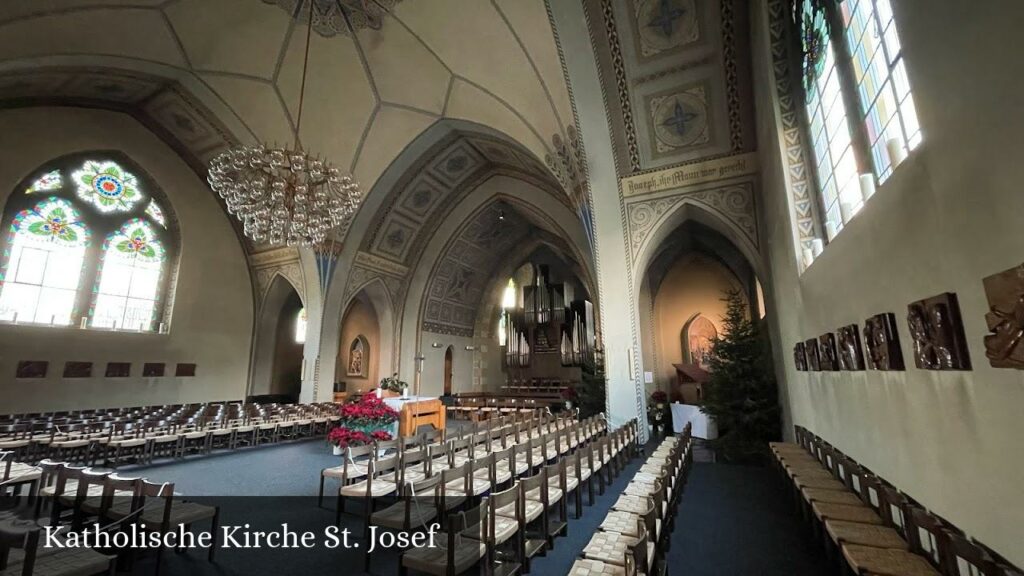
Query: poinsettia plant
x=369, y=413
x=659, y=396
x=343, y=437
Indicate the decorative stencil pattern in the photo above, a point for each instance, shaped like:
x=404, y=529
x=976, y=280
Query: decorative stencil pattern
x=665, y=25
x=458, y=281
x=333, y=17
x=733, y=204
x=679, y=119
x=792, y=131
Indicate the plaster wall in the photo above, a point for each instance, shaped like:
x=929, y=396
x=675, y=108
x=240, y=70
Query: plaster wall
x=212, y=320
x=949, y=216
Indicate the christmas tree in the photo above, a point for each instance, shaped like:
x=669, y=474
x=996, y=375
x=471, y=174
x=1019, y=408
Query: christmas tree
x=742, y=395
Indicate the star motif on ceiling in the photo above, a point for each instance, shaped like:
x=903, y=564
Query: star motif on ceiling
x=679, y=119
x=666, y=16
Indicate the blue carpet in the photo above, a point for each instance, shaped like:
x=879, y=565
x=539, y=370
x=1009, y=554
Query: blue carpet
x=738, y=521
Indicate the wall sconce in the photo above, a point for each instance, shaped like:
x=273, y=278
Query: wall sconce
x=435, y=345
x=470, y=348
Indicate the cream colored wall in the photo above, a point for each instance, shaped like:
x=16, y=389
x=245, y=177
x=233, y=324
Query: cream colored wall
x=432, y=379
x=213, y=311
x=360, y=320
x=694, y=284
x=949, y=216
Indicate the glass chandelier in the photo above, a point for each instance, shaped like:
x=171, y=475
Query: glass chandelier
x=285, y=196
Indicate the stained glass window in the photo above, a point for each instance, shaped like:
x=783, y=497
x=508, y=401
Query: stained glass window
x=153, y=211
x=887, y=105
x=129, y=278
x=49, y=181
x=508, y=301
x=829, y=129
x=300, y=327
x=107, y=186
x=43, y=264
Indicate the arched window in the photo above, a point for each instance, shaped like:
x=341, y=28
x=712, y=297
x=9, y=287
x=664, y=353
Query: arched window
x=861, y=116
x=300, y=326
x=90, y=244
x=508, y=301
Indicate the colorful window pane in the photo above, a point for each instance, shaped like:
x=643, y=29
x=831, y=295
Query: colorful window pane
x=830, y=132
x=153, y=211
x=887, y=106
x=129, y=279
x=49, y=181
x=107, y=186
x=300, y=327
x=44, y=265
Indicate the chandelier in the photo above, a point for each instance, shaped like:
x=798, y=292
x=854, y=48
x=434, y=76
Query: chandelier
x=285, y=196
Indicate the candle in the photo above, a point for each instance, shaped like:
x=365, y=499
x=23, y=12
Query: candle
x=808, y=257
x=846, y=211
x=897, y=153
x=867, y=186
x=817, y=247
x=84, y=322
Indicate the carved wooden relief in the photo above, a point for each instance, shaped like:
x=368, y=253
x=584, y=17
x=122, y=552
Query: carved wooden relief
x=1004, y=347
x=938, y=333
x=829, y=357
x=813, y=359
x=851, y=354
x=883, y=342
x=800, y=357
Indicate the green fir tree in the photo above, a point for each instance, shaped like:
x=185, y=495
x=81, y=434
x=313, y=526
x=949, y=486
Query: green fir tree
x=742, y=396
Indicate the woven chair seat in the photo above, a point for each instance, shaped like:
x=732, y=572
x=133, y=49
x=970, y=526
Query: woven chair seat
x=435, y=560
x=571, y=482
x=863, y=514
x=24, y=472
x=181, y=513
x=531, y=511
x=504, y=528
x=886, y=561
x=355, y=471
x=127, y=443
x=554, y=494
x=92, y=505
x=831, y=496
x=612, y=547
x=502, y=474
x=634, y=504
x=588, y=567
x=585, y=473
x=12, y=444
x=68, y=444
x=621, y=522
x=843, y=533
x=420, y=513
x=819, y=482
x=377, y=488
x=66, y=562
x=196, y=435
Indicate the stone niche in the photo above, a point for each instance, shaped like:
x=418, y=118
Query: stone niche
x=938, y=333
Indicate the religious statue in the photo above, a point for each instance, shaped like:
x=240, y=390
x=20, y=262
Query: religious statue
x=937, y=331
x=356, y=361
x=800, y=357
x=851, y=355
x=883, y=343
x=1004, y=346
x=829, y=358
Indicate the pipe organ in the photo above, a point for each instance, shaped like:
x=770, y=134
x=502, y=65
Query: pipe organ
x=548, y=318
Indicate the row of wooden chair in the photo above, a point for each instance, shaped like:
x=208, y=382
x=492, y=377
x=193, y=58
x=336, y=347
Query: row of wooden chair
x=869, y=526
x=77, y=498
x=634, y=536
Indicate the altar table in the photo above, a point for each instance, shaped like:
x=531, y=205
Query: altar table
x=416, y=411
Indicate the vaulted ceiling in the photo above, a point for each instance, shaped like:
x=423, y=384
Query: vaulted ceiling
x=207, y=73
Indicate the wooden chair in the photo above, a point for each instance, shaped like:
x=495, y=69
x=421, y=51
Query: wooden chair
x=414, y=509
x=558, y=489
x=354, y=465
x=502, y=528
x=381, y=480
x=30, y=560
x=463, y=546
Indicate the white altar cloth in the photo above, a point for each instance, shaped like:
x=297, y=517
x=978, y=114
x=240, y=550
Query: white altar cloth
x=703, y=426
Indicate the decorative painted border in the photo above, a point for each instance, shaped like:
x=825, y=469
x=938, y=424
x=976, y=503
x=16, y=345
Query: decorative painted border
x=732, y=88
x=792, y=129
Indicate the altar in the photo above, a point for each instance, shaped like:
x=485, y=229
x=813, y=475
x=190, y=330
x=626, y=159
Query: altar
x=416, y=411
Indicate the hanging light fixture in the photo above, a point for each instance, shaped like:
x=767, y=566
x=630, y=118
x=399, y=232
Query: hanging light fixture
x=285, y=196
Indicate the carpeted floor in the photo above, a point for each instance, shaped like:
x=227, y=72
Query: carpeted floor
x=737, y=521
x=733, y=520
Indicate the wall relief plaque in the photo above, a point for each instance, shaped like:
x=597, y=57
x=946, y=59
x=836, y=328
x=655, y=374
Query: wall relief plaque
x=829, y=357
x=938, y=333
x=813, y=358
x=800, y=357
x=1004, y=346
x=883, y=342
x=851, y=354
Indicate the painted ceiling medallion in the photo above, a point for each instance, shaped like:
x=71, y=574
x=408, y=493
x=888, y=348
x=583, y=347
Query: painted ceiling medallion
x=680, y=120
x=333, y=17
x=665, y=24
